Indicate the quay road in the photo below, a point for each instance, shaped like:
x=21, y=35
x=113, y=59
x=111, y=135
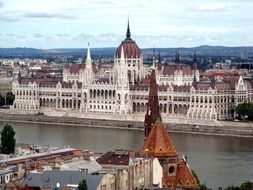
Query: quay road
x=225, y=128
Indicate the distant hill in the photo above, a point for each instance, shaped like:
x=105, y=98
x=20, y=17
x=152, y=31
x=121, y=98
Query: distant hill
x=204, y=50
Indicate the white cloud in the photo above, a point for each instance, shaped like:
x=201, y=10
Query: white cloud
x=49, y=15
x=37, y=35
x=1, y=4
x=72, y=23
x=214, y=6
x=8, y=18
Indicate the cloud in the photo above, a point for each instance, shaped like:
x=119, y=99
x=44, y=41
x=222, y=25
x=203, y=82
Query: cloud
x=8, y=18
x=15, y=36
x=49, y=15
x=214, y=6
x=37, y=35
x=1, y=4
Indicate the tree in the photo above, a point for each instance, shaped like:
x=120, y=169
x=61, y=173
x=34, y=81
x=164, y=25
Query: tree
x=82, y=185
x=2, y=100
x=10, y=98
x=201, y=186
x=246, y=185
x=8, y=140
x=245, y=109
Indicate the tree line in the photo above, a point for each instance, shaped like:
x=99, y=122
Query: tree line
x=8, y=100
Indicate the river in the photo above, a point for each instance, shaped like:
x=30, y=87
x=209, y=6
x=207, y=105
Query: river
x=218, y=160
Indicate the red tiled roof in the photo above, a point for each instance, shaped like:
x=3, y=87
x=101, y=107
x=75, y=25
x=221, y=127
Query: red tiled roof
x=232, y=80
x=75, y=68
x=170, y=69
x=184, y=178
x=115, y=158
x=158, y=143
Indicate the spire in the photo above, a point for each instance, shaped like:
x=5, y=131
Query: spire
x=88, y=52
x=88, y=59
x=212, y=82
x=153, y=57
x=177, y=57
x=152, y=106
x=177, y=60
x=194, y=62
x=128, y=33
x=159, y=57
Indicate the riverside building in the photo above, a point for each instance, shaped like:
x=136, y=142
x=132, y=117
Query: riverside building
x=121, y=91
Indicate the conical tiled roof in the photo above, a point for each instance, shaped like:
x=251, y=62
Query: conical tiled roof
x=158, y=143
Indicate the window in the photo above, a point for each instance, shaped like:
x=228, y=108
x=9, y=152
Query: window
x=171, y=169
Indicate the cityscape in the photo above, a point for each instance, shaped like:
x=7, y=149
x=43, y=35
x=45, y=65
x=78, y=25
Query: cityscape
x=113, y=95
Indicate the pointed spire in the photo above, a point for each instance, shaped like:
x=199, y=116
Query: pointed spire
x=153, y=57
x=177, y=57
x=194, y=62
x=195, y=57
x=159, y=57
x=177, y=60
x=88, y=52
x=128, y=33
x=212, y=82
x=153, y=105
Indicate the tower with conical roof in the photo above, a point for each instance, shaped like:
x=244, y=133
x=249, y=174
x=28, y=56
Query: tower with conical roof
x=176, y=173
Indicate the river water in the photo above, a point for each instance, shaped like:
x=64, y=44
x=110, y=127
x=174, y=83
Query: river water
x=218, y=160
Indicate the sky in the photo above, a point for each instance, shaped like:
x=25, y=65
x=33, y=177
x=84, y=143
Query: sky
x=103, y=23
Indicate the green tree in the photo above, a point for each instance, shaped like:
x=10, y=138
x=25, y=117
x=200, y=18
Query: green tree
x=2, y=100
x=196, y=177
x=8, y=140
x=82, y=185
x=201, y=186
x=246, y=186
x=10, y=98
x=245, y=109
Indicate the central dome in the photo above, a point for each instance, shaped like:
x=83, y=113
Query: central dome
x=131, y=49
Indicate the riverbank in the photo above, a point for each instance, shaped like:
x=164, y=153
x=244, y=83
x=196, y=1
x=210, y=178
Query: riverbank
x=224, y=130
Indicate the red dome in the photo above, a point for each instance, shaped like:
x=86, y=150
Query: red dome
x=131, y=49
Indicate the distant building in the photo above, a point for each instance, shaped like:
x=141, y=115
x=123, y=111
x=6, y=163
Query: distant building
x=122, y=90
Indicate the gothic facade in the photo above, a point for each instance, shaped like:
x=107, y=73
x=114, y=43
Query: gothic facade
x=123, y=88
